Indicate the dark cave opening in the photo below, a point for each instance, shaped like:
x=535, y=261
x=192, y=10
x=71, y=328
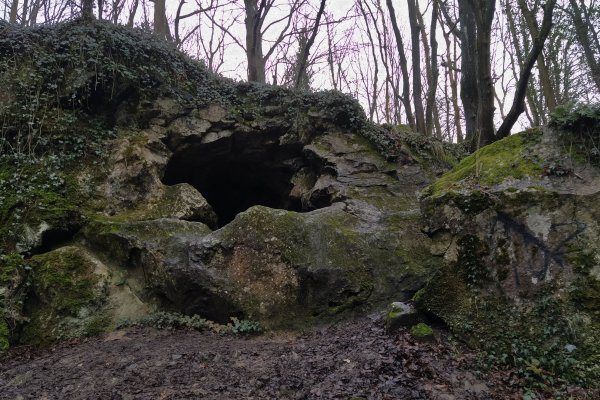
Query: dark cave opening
x=233, y=181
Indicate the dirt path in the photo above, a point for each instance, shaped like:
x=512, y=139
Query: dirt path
x=351, y=360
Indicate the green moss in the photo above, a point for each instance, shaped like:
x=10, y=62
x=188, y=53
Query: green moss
x=522, y=335
x=65, y=279
x=421, y=330
x=97, y=325
x=418, y=296
x=14, y=287
x=4, y=335
x=582, y=257
x=35, y=191
x=393, y=314
x=494, y=163
x=68, y=297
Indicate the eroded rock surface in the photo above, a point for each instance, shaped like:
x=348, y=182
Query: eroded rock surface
x=520, y=256
x=196, y=193
x=312, y=220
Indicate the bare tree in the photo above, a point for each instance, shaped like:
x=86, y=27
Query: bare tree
x=587, y=37
x=477, y=86
x=403, y=66
x=256, y=12
x=451, y=75
x=431, y=112
x=415, y=30
x=14, y=9
x=534, y=30
x=305, y=50
x=518, y=105
x=87, y=9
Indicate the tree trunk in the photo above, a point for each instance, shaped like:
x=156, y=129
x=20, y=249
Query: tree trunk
x=14, y=8
x=100, y=9
x=547, y=89
x=302, y=69
x=34, y=11
x=403, y=67
x=254, y=51
x=415, y=31
x=433, y=72
x=87, y=8
x=132, y=13
x=25, y=12
x=484, y=13
x=469, y=93
x=161, y=25
x=375, y=74
x=534, y=114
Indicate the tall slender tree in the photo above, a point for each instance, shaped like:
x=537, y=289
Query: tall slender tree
x=403, y=66
x=415, y=32
x=477, y=85
x=87, y=9
x=301, y=75
x=161, y=24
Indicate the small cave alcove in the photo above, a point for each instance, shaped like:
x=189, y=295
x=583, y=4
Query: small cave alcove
x=233, y=181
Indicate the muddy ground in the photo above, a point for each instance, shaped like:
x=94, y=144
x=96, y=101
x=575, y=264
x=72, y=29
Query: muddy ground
x=350, y=360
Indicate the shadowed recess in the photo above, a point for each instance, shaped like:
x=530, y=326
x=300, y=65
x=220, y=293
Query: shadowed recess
x=236, y=175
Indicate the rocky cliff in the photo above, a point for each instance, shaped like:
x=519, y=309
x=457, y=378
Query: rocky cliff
x=134, y=180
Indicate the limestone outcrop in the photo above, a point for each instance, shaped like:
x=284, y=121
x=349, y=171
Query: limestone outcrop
x=311, y=220
x=520, y=254
x=155, y=182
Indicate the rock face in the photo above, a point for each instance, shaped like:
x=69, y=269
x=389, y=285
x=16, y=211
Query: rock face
x=161, y=184
x=521, y=255
x=312, y=221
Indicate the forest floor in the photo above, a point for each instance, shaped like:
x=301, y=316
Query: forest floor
x=349, y=360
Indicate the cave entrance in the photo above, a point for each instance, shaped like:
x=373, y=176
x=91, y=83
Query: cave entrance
x=233, y=181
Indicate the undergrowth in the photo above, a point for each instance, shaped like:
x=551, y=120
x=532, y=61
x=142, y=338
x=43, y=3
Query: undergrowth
x=400, y=143
x=578, y=127
x=172, y=320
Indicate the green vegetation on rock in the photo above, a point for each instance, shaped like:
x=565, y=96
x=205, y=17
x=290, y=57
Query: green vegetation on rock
x=77, y=91
x=492, y=164
x=421, y=330
x=4, y=335
x=578, y=128
x=15, y=281
x=67, y=299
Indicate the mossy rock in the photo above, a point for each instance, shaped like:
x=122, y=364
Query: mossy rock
x=68, y=297
x=15, y=281
x=520, y=259
x=102, y=161
x=421, y=331
x=286, y=268
x=492, y=164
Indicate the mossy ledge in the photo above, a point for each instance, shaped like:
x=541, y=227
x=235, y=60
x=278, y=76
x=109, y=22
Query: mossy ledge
x=510, y=157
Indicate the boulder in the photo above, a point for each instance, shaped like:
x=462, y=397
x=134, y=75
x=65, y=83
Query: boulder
x=520, y=252
x=400, y=315
x=199, y=194
x=75, y=294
